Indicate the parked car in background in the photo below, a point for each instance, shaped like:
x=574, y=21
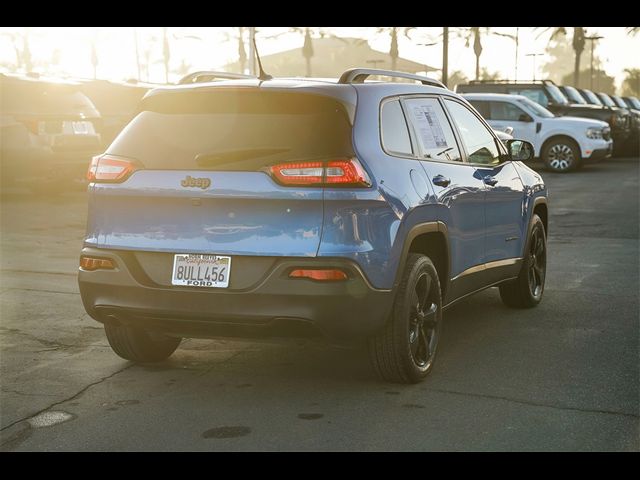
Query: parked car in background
x=48, y=132
x=632, y=102
x=117, y=103
x=547, y=94
x=633, y=144
x=274, y=207
x=573, y=95
x=622, y=116
x=563, y=143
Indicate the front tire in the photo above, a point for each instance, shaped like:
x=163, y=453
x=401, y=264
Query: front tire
x=140, y=345
x=561, y=155
x=526, y=291
x=405, y=349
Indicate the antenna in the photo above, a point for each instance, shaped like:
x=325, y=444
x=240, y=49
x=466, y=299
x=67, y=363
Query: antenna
x=263, y=75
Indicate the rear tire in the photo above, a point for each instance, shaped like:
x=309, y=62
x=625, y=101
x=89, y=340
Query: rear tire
x=561, y=155
x=526, y=291
x=139, y=345
x=405, y=349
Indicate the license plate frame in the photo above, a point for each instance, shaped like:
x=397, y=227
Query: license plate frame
x=201, y=270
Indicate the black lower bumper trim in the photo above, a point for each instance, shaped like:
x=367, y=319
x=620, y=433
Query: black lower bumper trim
x=276, y=306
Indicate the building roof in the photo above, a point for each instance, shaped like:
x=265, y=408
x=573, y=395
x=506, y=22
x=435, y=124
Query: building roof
x=332, y=56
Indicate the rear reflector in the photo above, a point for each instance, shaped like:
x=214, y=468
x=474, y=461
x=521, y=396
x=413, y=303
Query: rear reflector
x=91, y=263
x=104, y=168
x=334, y=173
x=320, y=275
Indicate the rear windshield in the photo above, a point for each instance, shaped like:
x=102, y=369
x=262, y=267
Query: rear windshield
x=42, y=98
x=235, y=129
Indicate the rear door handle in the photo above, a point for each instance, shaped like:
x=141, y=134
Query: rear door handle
x=489, y=180
x=441, y=181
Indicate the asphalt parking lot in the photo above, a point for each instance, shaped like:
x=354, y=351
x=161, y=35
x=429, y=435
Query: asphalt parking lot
x=563, y=376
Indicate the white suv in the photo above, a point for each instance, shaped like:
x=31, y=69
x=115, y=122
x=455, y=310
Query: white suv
x=563, y=143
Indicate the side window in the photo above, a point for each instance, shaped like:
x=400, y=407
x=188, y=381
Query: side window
x=535, y=94
x=433, y=130
x=480, y=143
x=483, y=108
x=393, y=128
x=507, y=111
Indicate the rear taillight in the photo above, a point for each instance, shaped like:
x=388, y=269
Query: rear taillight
x=334, y=173
x=105, y=168
x=92, y=263
x=32, y=125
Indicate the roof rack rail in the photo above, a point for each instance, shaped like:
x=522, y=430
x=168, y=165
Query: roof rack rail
x=210, y=75
x=359, y=75
x=512, y=81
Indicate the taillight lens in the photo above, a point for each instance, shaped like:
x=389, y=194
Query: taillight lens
x=91, y=264
x=335, y=173
x=32, y=125
x=321, y=275
x=105, y=168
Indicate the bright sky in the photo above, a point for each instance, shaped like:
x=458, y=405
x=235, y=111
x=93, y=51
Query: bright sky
x=217, y=46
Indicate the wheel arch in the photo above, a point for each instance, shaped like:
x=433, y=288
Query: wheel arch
x=541, y=209
x=431, y=239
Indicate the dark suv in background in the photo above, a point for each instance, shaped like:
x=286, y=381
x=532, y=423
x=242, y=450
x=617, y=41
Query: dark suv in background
x=630, y=142
x=547, y=94
x=48, y=132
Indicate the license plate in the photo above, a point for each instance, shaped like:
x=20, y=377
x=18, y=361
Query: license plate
x=81, y=128
x=193, y=270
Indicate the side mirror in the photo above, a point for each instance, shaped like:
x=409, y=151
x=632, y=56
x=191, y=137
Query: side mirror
x=520, y=150
x=525, y=118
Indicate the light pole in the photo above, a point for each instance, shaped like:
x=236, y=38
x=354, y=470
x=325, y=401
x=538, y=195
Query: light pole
x=534, y=55
x=517, y=37
x=592, y=39
x=252, y=51
x=445, y=55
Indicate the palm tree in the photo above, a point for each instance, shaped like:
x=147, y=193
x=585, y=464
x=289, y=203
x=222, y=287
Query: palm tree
x=166, y=53
x=21, y=48
x=578, y=43
x=476, y=33
x=307, y=47
x=242, y=54
x=237, y=35
x=394, y=51
x=307, y=50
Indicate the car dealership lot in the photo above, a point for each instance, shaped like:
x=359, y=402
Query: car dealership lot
x=563, y=376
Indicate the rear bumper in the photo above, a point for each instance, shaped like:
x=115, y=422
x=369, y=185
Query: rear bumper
x=275, y=305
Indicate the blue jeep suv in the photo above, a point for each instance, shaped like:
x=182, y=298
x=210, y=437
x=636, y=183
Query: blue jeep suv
x=350, y=209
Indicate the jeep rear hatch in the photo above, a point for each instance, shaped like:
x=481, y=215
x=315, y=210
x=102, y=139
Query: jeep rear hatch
x=201, y=171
